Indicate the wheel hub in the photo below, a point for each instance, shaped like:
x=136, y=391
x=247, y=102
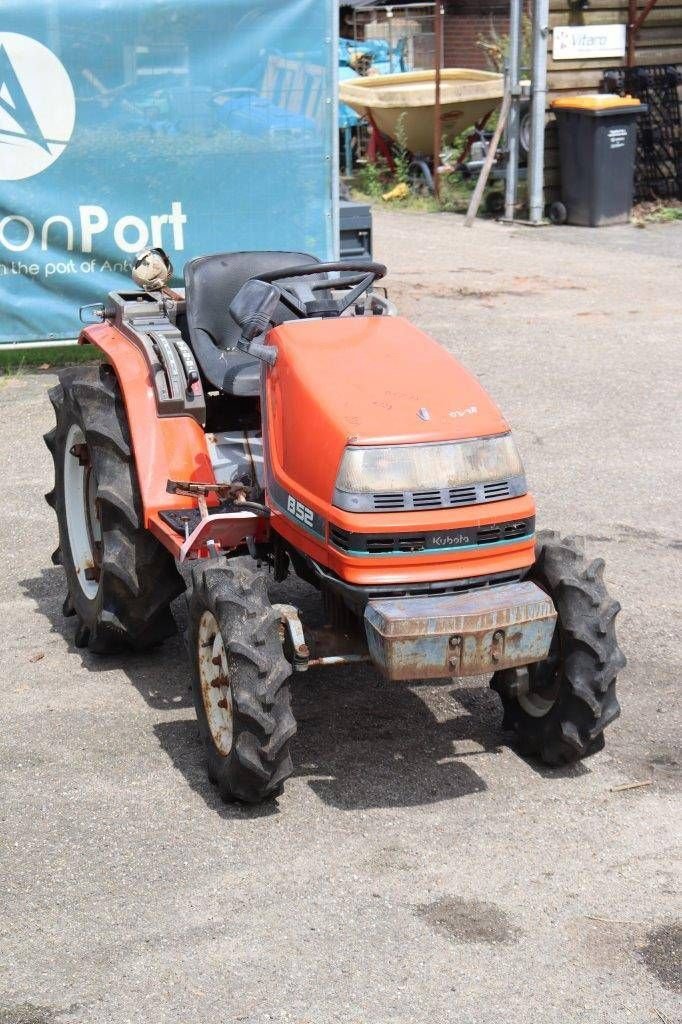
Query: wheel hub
x=216, y=692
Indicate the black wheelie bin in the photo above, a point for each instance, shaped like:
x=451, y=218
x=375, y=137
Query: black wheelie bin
x=597, y=145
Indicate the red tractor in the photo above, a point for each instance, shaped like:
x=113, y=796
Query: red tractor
x=278, y=417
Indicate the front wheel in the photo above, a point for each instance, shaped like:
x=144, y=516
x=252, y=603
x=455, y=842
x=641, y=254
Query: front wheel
x=558, y=708
x=240, y=682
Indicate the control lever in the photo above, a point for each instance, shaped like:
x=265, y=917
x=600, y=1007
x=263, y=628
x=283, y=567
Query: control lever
x=189, y=363
x=266, y=353
x=252, y=308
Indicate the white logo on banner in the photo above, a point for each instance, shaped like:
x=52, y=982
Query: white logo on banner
x=37, y=107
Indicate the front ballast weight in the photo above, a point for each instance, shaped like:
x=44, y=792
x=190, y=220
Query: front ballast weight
x=460, y=635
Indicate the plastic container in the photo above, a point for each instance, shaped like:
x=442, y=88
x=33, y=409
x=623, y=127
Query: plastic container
x=597, y=144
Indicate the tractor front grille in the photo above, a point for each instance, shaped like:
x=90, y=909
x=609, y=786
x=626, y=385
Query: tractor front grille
x=340, y=538
x=452, y=497
x=440, y=540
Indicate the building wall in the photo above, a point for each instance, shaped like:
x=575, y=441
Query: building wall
x=658, y=42
x=464, y=22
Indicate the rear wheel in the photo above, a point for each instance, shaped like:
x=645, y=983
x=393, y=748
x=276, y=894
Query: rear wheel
x=559, y=708
x=495, y=203
x=240, y=682
x=120, y=580
x=420, y=178
x=558, y=214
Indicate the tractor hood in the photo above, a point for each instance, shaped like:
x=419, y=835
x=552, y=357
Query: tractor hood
x=364, y=381
x=380, y=380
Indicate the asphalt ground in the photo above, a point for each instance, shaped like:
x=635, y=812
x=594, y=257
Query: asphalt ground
x=416, y=869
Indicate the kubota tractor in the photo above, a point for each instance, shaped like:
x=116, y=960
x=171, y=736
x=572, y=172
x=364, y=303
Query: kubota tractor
x=279, y=417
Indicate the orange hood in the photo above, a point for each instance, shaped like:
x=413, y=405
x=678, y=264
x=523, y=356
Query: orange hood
x=377, y=379
x=364, y=380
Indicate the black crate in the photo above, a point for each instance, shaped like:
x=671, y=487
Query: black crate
x=355, y=224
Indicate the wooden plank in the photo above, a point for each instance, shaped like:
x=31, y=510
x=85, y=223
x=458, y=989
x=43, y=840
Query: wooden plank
x=661, y=36
x=659, y=55
x=561, y=7
x=656, y=54
x=659, y=16
x=585, y=64
x=560, y=82
x=484, y=174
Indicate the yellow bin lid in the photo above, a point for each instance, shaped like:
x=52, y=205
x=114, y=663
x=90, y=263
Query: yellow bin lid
x=594, y=101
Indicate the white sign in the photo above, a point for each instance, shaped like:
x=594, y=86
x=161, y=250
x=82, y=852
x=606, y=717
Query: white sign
x=576, y=42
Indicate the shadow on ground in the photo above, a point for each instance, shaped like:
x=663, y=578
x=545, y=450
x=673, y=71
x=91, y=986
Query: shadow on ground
x=362, y=742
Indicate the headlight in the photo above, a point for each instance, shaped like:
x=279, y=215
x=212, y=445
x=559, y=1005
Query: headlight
x=420, y=467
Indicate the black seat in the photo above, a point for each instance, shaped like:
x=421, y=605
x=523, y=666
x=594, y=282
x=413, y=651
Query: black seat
x=211, y=282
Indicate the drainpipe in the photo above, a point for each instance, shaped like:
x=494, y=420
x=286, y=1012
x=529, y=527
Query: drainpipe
x=536, y=155
x=512, y=85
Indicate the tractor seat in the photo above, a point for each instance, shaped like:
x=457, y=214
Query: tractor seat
x=211, y=283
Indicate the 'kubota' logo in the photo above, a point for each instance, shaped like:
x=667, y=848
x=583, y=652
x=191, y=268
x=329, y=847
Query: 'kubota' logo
x=37, y=107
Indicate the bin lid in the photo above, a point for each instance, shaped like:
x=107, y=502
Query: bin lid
x=595, y=101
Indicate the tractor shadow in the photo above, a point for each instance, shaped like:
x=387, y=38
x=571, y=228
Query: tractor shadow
x=366, y=743
x=362, y=742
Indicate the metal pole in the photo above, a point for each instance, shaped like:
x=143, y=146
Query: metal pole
x=632, y=31
x=512, y=84
x=389, y=16
x=437, y=124
x=536, y=155
x=332, y=104
x=26, y=346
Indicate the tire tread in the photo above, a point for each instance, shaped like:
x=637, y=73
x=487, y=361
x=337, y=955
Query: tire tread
x=139, y=579
x=587, y=701
x=260, y=761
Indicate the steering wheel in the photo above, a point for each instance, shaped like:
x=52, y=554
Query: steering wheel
x=298, y=294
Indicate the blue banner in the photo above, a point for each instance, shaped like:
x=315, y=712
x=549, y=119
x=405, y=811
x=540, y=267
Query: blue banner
x=199, y=126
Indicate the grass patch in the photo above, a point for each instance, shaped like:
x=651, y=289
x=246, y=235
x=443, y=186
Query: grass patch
x=14, y=362
x=657, y=212
x=454, y=196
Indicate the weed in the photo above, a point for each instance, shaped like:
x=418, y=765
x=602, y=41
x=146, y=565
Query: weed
x=658, y=211
x=401, y=155
x=495, y=45
x=374, y=177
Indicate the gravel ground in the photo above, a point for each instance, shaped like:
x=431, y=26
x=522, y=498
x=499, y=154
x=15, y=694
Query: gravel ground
x=416, y=870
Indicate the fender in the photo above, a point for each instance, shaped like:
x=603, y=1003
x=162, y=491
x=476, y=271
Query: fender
x=163, y=448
